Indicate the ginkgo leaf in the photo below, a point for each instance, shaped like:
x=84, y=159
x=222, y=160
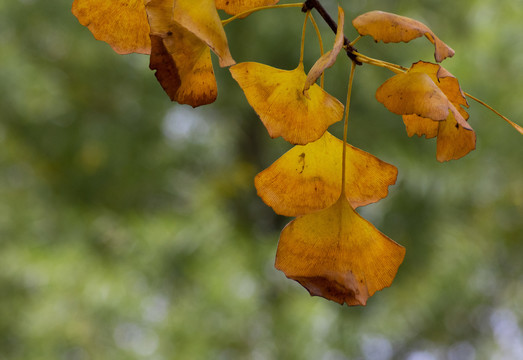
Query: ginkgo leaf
x=181, y=60
x=389, y=27
x=455, y=137
x=329, y=58
x=278, y=99
x=308, y=178
x=120, y=23
x=201, y=18
x=336, y=254
x=417, y=125
x=234, y=7
x=414, y=93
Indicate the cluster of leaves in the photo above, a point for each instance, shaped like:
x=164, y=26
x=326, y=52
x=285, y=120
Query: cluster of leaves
x=329, y=248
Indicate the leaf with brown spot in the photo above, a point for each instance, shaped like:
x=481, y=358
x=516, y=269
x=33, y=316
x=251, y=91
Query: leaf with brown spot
x=201, y=18
x=329, y=58
x=120, y=23
x=181, y=60
x=234, y=7
x=336, y=254
x=389, y=27
x=308, y=178
x=414, y=93
x=277, y=97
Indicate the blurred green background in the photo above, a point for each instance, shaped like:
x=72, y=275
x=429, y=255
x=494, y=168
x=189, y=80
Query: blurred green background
x=130, y=226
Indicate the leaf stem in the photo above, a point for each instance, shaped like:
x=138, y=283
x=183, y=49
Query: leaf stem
x=250, y=11
x=318, y=33
x=303, y=38
x=514, y=125
x=346, y=126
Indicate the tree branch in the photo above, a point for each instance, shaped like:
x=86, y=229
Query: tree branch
x=315, y=4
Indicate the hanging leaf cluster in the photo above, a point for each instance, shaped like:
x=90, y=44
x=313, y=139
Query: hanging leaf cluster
x=328, y=248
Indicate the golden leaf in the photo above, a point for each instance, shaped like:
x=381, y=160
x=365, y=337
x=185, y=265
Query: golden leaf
x=336, y=254
x=181, y=60
x=455, y=137
x=389, y=27
x=278, y=99
x=201, y=18
x=234, y=7
x=308, y=178
x=120, y=23
x=414, y=93
x=329, y=58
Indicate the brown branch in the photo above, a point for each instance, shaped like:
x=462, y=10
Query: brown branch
x=315, y=4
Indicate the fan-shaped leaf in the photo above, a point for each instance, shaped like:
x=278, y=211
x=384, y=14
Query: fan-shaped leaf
x=336, y=254
x=201, y=18
x=389, y=27
x=308, y=178
x=120, y=23
x=277, y=97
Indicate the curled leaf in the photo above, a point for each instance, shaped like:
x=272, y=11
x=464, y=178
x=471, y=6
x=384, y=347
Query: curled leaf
x=277, y=97
x=455, y=137
x=329, y=58
x=413, y=93
x=201, y=18
x=336, y=254
x=389, y=27
x=308, y=178
x=234, y=7
x=120, y=23
x=181, y=60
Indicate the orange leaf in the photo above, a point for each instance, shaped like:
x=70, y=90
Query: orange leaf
x=308, y=178
x=421, y=126
x=336, y=254
x=389, y=27
x=183, y=61
x=329, y=58
x=234, y=7
x=201, y=18
x=455, y=137
x=413, y=93
x=120, y=23
x=277, y=97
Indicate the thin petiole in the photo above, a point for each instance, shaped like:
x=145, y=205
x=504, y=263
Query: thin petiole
x=250, y=11
x=320, y=41
x=303, y=38
x=346, y=126
x=514, y=125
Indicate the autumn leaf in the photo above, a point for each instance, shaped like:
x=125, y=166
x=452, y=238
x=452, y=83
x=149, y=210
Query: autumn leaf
x=389, y=27
x=181, y=60
x=336, y=254
x=278, y=99
x=308, y=178
x=234, y=7
x=201, y=18
x=120, y=23
x=329, y=58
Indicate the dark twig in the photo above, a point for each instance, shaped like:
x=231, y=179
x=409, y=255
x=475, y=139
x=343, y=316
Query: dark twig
x=315, y=4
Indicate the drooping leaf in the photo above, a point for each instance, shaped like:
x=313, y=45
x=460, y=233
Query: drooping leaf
x=308, y=178
x=234, y=7
x=389, y=27
x=181, y=60
x=278, y=99
x=201, y=18
x=329, y=58
x=455, y=137
x=414, y=93
x=120, y=23
x=336, y=254
x=417, y=125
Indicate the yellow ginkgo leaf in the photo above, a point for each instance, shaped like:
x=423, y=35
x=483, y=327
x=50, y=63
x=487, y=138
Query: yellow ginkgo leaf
x=201, y=18
x=455, y=137
x=417, y=125
x=414, y=93
x=120, y=23
x=336, y=254
x=181, y=60
x=329, y=58
x=308, y=178
x=389, y=27
x=234, y=7
x=278, y=99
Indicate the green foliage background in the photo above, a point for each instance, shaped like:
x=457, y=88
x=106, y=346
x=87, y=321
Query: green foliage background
x=130, y=226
